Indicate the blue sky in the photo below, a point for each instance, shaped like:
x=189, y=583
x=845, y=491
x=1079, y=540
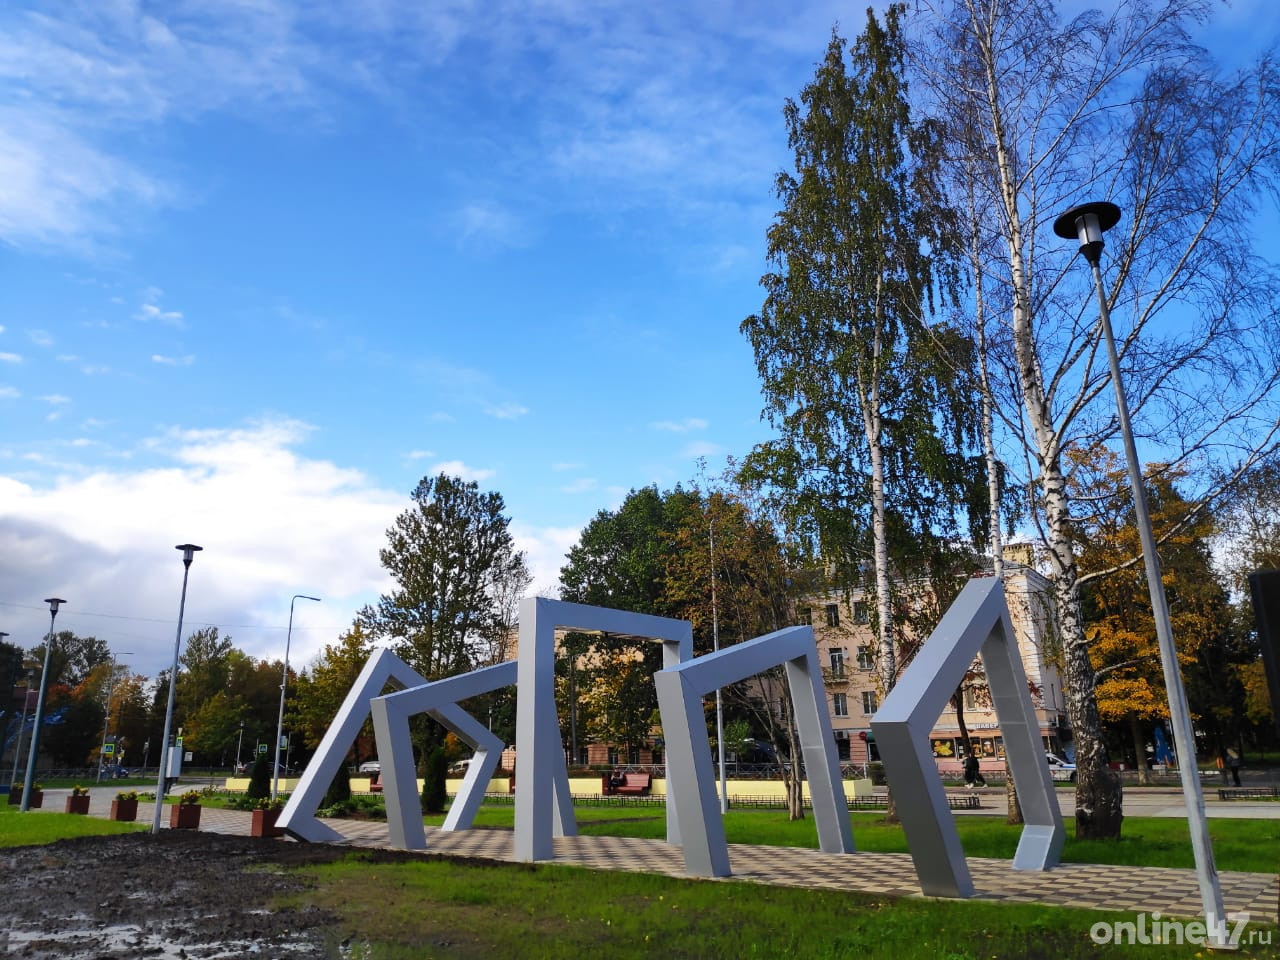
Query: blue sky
x=264, y=264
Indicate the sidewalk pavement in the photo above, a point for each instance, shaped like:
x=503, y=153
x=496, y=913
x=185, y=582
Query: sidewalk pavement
x=1132, y=890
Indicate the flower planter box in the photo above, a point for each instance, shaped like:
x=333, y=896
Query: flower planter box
x=37, y=799
x=78, y=805
x=264, y=824
x=126, y=810
x=15, y=797
x=184, y=816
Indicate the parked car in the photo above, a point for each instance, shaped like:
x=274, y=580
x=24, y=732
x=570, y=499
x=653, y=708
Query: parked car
x=1060, y=769
x=371, y=766
x=460, y=766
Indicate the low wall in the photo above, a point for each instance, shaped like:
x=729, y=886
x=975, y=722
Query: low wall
x=590, y=787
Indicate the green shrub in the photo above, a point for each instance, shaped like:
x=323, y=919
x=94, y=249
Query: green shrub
x=433, y=786
x=339, y=791
x=259, y=779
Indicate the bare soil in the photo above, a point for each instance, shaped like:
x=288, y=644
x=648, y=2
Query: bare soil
x=180, y=894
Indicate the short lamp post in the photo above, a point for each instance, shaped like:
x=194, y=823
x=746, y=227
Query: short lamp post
x=284, y=683
x=54, y=603
x=1087, y=223
x=188, y=553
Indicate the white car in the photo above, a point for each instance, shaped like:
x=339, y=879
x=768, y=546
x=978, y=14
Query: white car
x=371, y=766
x=1060, y=769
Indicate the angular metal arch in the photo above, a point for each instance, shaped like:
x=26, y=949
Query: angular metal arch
x=541, y=774
x=298, y=817
x=977, y=621
x=690, y=776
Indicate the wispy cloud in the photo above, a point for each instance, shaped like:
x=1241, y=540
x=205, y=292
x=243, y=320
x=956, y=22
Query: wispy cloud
x=507, y=411
x=9, y=393
x=419, y=455
x=150, y=310
x=581, y=485
x=10, y=358
x=184, y=361
x=487, y=226
x=687, y=425
x=41, y=338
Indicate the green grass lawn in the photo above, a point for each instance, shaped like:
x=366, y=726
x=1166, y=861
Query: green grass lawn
x=1248, y=845
x=18, y=830
x=478, y=910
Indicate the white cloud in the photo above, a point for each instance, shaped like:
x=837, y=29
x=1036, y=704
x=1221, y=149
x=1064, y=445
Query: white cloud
x=272, y=522
x=8, y=393
x=545, y=550
x=687, y=425
x=56, y=399
x=41, y=338
x=487, y=227
x=563, y=467
x=701, y=448
x=507, y=411
x=419, y=455
x=10, y=358
x=456, y=468
x=149, y=310
x=184, y=361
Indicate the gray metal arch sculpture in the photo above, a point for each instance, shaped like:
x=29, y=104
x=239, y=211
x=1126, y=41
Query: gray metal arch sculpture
x=299, y=815
x=977, y=621
x=690, y=775
x=440, y=699
x=541, y=775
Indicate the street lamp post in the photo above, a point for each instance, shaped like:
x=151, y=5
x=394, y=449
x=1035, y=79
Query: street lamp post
x=106, y=723
x=1087, y=223
x=22, y=724
x=284, y=683
x=53, y=603
x=188, y=553
x=715, y=643
x=239, y=741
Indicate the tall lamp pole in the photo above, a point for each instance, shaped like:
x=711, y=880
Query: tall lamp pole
x=284, y=682
x=106, y=723
x=1087, y=223
x=715, y=643
x=22, y=724
x=188, y=553
x=53, y=603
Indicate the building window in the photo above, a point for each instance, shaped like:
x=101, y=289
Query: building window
x=833, y=615
x=840, y=705
x=970, y=701
x=861, y=612
x=806, y=615
x=837, y=662
x=865, y=660
x=868, y=702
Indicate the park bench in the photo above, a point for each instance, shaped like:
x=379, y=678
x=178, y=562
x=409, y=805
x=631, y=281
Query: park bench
x=633, y=784
x=1245, y=793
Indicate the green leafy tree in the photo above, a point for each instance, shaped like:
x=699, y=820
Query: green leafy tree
x=325, y=683
x=73, y=657
x=1043, y=111
x=871, y=396
x=453, y=560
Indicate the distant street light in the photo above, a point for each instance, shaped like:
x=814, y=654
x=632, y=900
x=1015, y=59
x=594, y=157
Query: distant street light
x=238, y=743
x=284, y=682
x=22, y=724
x=53, y=603
x=106, y=723
x=188, y=552
x=1087, y=223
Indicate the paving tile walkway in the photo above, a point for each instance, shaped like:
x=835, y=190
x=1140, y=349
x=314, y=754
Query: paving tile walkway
x=1132, y=890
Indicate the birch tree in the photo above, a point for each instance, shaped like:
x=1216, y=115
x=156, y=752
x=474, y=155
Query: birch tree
x=1042, y=113
x=864, y=389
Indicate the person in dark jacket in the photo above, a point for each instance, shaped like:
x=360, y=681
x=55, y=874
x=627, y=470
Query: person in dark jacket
x=972, y=772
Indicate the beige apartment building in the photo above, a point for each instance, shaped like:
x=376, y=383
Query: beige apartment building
x=847, y=650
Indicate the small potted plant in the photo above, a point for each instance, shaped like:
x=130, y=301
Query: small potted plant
x=37, y=796
x=78, y=802
x=185, y=814
x=264, y=818
x=125, y=806
x=15, y=794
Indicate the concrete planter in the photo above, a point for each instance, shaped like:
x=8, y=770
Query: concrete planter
x=126, y=810
x=184, y=816
x=264, y=824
